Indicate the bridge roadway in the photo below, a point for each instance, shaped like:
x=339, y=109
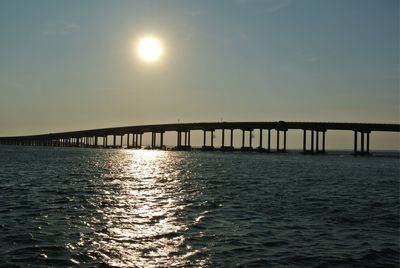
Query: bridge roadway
x=314, y=144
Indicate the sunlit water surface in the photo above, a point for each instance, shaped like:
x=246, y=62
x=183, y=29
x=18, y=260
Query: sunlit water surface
x=138, y=208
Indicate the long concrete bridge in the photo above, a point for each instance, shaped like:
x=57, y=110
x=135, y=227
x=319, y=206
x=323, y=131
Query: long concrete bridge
x=315, y=143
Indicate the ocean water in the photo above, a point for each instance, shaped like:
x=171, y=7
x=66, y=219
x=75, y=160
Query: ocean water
x=65, y=207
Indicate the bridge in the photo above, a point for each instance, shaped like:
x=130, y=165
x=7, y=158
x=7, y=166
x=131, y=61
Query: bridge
x=133, y=135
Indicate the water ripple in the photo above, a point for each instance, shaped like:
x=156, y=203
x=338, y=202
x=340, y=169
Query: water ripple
x=135, y=208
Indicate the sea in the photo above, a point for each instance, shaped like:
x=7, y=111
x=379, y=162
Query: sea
x=76, y=207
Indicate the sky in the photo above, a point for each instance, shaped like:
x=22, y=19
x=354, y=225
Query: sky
x=71, y=65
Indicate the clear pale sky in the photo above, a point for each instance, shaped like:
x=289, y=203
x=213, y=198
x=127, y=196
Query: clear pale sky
x=71, y=65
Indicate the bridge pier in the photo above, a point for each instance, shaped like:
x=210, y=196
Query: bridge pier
x=223, y=147
x=364, y=143
x=105, y=145
x=269, y=140
x=232, y=138
x=135, y=139
x=205, y=146
x=315, y=143
x=260, y=147
x=154, y=140
x=278, y=148
x=244, y=147
x=138, y=138
x=185, y=145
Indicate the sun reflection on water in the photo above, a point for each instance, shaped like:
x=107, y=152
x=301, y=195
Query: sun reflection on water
x=139, y=204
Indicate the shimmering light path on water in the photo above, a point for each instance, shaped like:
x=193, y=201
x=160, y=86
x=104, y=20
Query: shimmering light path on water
x=137, y=208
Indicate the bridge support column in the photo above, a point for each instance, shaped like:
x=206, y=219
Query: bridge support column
x=364, y=142
x=178, y=142
x=187, y=140
x=312, y=141
x=153, y=140
x=284, y=140
x=232, y=139
x=205, y=147
x=223, y=138
x=269, y=140
x=244, y=147
x=315, y=143
x=243, y=136
x=277, y=140
x=223, y=147
x=355, y=142
x=162, y=140
x=134, y=140
x=260, y=147
x=250, y=138
x=278, y=149
x=137, y=140
x=185, y=145
x=140, y=140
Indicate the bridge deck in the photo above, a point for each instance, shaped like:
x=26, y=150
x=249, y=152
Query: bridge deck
x=278, y=125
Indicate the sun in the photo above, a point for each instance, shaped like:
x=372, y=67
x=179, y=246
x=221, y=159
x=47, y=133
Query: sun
x=149, y=49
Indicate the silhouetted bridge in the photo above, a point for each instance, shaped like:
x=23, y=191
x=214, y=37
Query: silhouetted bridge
x=99, y=138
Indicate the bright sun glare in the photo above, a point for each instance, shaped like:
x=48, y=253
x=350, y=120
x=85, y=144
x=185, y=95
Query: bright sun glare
x=149, y=49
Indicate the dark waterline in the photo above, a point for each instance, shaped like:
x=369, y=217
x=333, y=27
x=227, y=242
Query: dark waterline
x=134, y=208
